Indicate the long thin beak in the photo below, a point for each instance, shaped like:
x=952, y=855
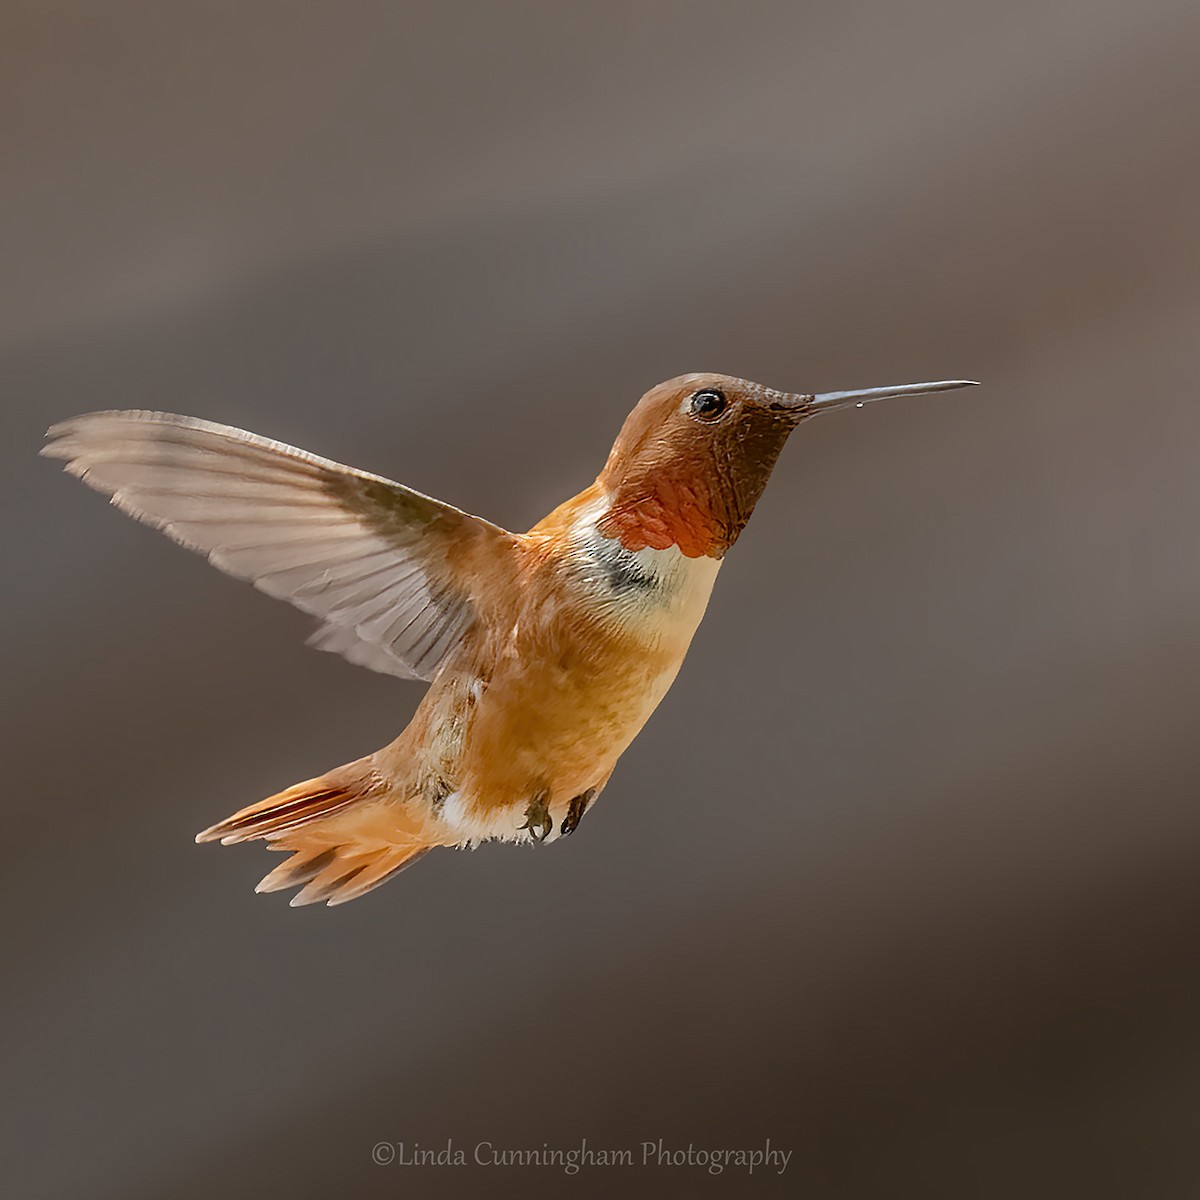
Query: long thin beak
x=829, y=401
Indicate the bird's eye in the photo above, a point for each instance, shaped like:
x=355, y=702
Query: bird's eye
x=707, y=405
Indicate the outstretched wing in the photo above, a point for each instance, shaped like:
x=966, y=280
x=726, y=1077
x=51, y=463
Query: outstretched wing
x=388, y=571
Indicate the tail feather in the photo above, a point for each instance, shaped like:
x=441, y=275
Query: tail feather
x=297, y=805
x=375, y=874
x=354, y=873
x=344, y=834
x=296, y=870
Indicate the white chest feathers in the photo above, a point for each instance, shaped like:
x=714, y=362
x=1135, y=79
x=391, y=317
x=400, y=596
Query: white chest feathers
x=662, y=592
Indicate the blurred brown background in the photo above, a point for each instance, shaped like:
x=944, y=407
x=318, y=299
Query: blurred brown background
x=903, y=873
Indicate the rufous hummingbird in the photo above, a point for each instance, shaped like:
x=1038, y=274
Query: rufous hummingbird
x=546, y=651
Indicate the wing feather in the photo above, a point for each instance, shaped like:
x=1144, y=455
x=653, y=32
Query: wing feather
x=380, y=565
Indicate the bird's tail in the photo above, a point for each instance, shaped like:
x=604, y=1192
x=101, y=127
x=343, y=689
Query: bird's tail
x=345, y=835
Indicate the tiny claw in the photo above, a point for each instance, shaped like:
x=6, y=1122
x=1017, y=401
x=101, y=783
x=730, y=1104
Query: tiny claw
x=575, y=811
x=538, y=820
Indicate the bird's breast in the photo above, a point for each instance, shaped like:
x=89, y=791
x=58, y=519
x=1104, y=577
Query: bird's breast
x=598, y=641
x=553, y=693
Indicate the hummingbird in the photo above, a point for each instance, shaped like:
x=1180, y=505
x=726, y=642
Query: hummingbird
x=546, y=652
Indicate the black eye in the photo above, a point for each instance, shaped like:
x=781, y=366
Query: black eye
x=708, y=405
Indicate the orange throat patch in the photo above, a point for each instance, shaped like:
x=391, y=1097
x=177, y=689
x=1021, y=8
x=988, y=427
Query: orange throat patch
x=664, y=513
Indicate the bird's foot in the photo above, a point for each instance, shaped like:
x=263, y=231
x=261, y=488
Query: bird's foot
x=575, y=811
x=538, y=820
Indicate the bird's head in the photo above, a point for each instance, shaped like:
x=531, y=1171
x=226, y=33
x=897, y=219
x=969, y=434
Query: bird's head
x=693, y=457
